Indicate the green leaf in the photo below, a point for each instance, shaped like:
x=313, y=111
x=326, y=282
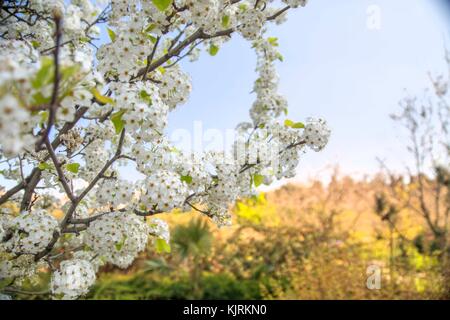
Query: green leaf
x=243, y=7
x=101, y=98
x=150, y=28
x=117, y=121
x=112, y=34
x=273, y=41
x=39, y=99
x=119, y=245
x=35, y=44
x=44, y=75
x=258, y=179
x=294, y=125
x=162, y=246
x=162, y=70
x=44, y=117
x=44, y=166
x=152, y=38
x=187, y=179
x=84, y=39
x=298, y=125
x=225, y=21
x=73, y=167
x=288, y=123
x=213, y=49
x=145, y=96
x=162, y=5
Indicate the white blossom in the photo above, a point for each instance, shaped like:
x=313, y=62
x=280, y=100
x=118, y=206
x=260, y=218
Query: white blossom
x=164, y=191
x=73, y=279
x=109, y=111
x=316, y=133
x=118, y=237
x=31, y=232
x=159, y=229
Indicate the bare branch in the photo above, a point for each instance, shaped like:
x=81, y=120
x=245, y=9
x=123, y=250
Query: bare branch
x=48, y=248
x=61, y=176
x=199, y=34
x=54, y=100
x=34, y=177
x=150, y=58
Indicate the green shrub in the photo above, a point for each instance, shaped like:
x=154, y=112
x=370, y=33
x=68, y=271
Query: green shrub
x=212, y=286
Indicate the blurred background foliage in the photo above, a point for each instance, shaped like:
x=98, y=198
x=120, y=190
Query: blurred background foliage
x=308, y=241
x=312, y=241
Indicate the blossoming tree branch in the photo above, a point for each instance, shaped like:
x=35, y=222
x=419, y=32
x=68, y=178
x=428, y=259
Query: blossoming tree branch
x=74, y=116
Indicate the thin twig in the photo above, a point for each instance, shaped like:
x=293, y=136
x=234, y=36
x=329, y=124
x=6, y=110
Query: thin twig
x=150, y=58
x=59, y=171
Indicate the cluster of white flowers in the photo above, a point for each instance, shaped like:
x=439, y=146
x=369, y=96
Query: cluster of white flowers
x=118, y=59
x=144, y=112
x=3, y=220
x=203, y=13
x=159, y=21
x=269, y=104
x=316, y=133
x=289, y=156
x=72, y=140
x=115, y=192
x=109, y=110
x=226, y=188
x=12, y=117
x=164, y=191
x=174, y=86
x=17, y=65
x=95, y=260
x=194, y=167
x=220, y=215
x=73, y=279
x=21, y=267
x=95, y=157
x=251, y=22
x=296, y=3
x=149, y=160
x=159, y=229
x=259, y=148
x=30, y=232
x=78, y=23
x=118, y=237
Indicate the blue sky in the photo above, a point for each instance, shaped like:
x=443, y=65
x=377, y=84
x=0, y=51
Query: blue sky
x=336, y=67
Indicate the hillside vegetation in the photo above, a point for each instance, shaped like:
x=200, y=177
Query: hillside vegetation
x=311, y=241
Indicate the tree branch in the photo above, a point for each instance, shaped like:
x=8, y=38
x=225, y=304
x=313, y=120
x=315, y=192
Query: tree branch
x=150, y=58
x=199, y=34
x=78, y=199
x=54, y=100
x=34, y=177
x=61, y=176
